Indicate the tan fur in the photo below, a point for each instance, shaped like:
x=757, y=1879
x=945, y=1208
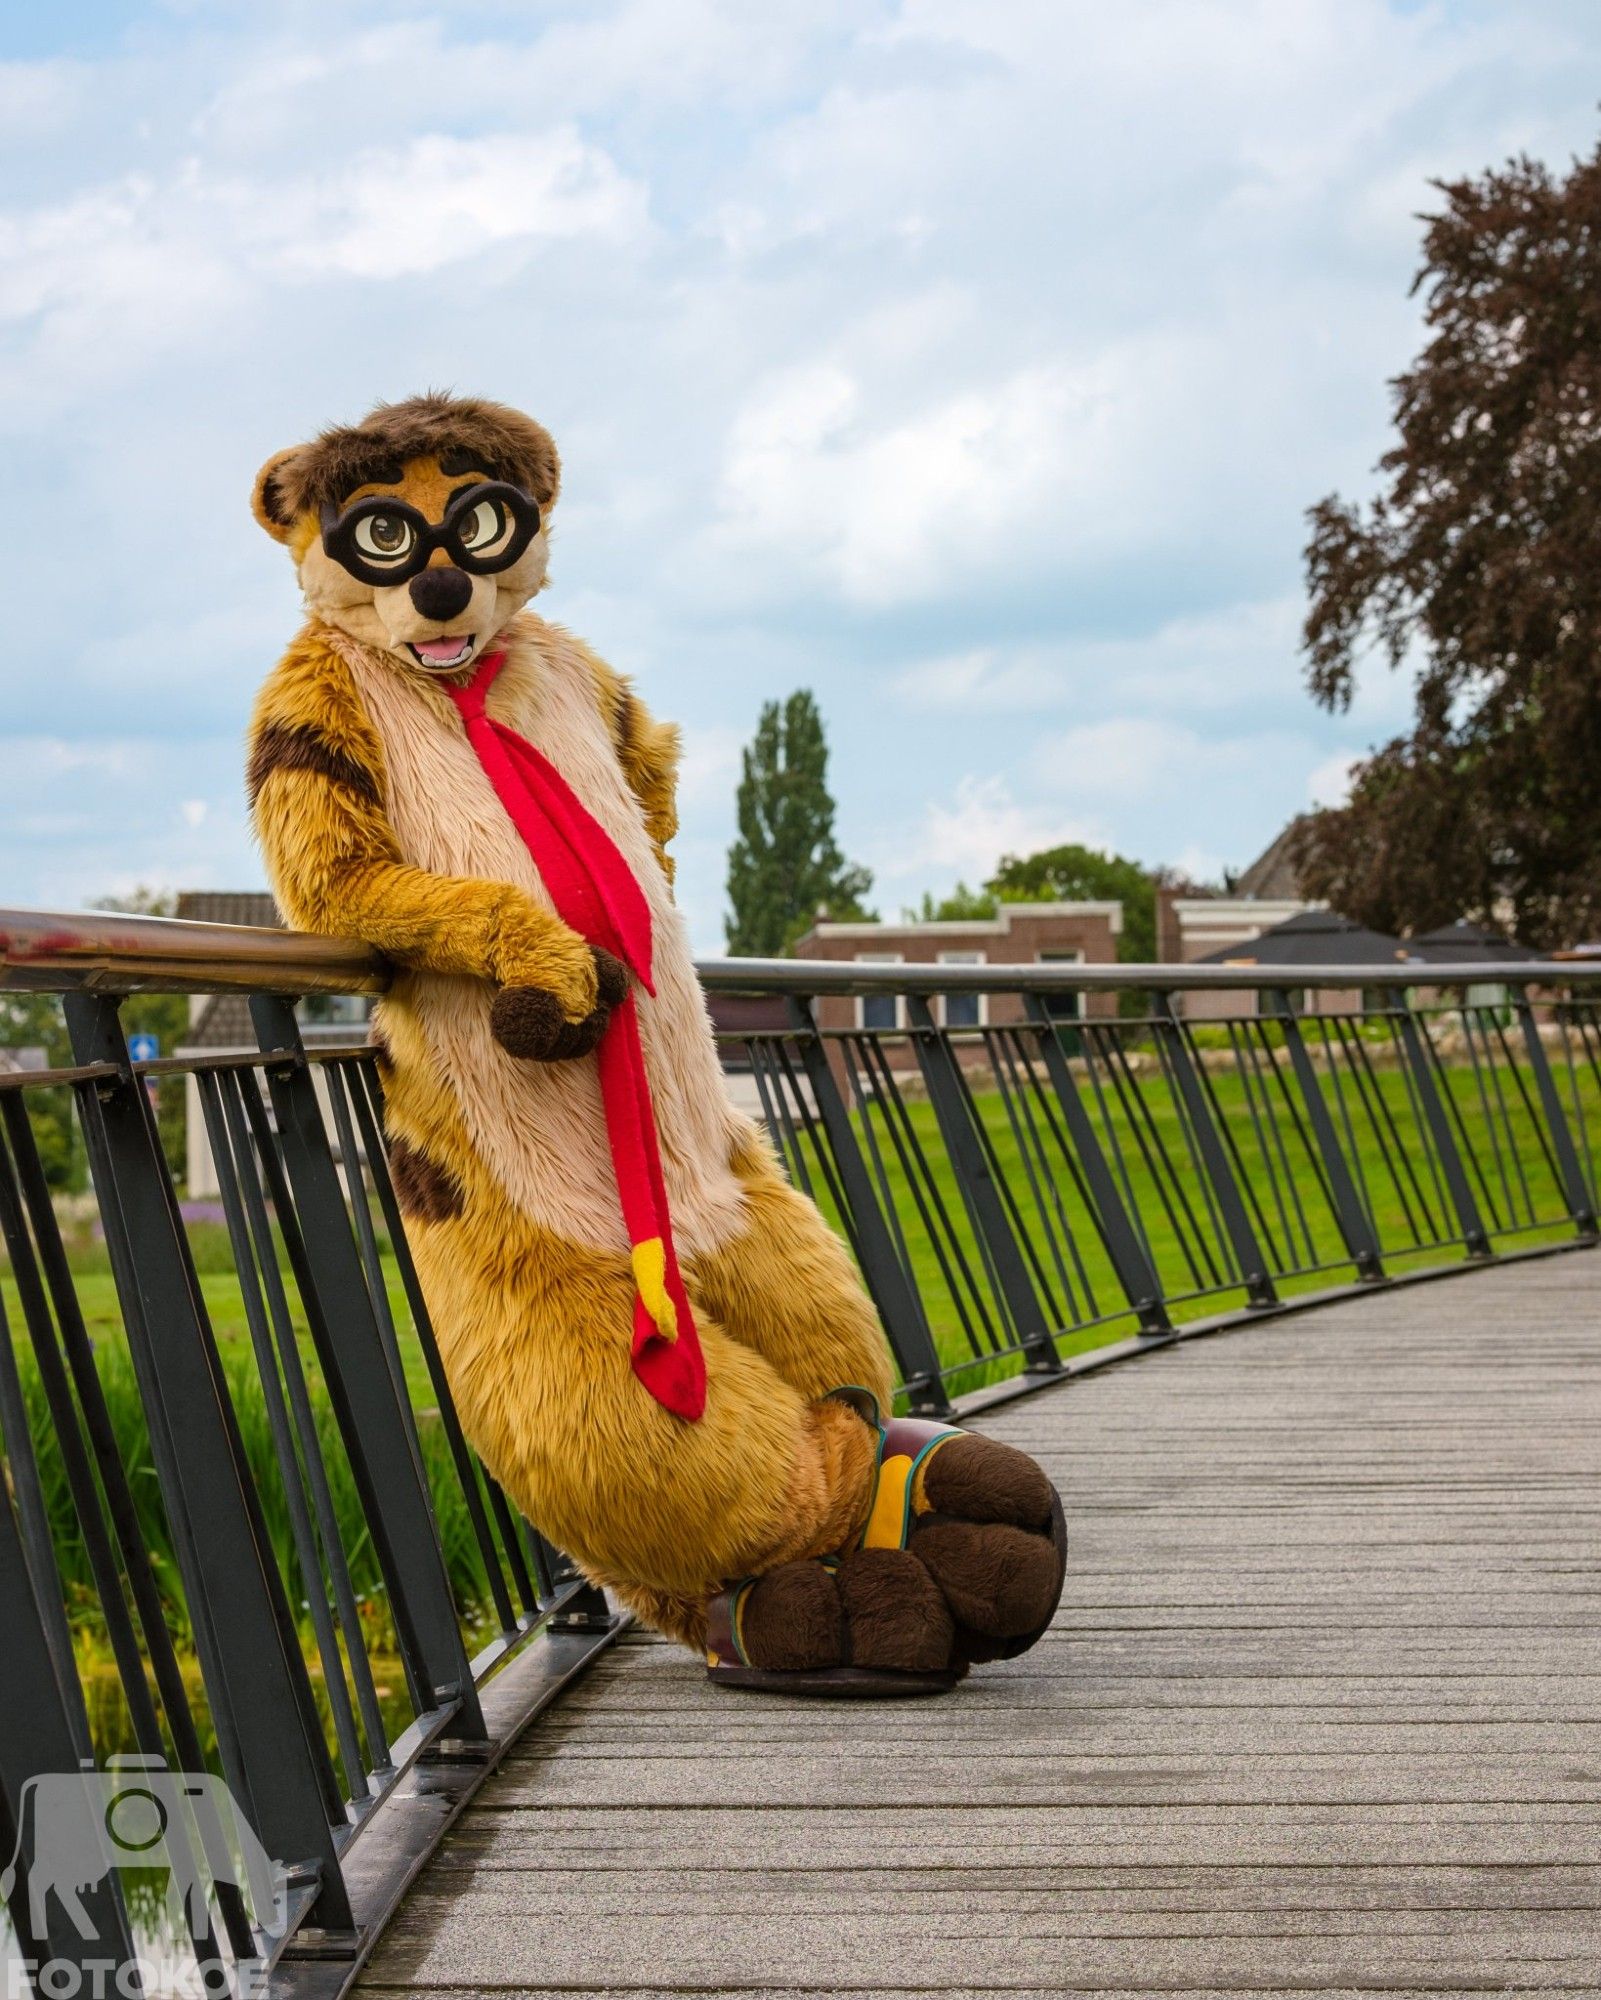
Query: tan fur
x=378, y=823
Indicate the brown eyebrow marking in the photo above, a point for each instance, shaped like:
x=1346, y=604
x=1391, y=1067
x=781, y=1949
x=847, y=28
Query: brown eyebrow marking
x=452, y=462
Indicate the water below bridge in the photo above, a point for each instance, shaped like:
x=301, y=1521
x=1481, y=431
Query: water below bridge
x=1319, y=1714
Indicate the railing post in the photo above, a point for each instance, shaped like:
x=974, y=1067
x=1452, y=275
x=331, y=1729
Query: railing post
x=1575, y=1189
x=39, y=1766
x=1215, y=1161
x=361, y=1385
x=1351, y=1218
x=1418, y=1050
x=938, y=1061
x=899, y=1306
x=274, y=1755
x=1135, y=1272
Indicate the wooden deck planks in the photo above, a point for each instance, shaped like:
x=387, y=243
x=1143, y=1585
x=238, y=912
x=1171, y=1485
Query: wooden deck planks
x=1321, y=1713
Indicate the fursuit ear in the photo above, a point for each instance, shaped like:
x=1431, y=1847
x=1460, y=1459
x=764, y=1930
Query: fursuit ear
x=269, y=500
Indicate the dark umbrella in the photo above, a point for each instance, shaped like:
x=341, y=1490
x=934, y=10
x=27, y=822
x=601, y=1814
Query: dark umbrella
x=1315, y=937
x=1463, y=943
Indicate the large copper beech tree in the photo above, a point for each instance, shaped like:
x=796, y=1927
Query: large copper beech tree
x=1479, y=567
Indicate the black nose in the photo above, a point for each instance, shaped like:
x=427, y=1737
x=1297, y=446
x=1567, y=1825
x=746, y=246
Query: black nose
x=441, y=593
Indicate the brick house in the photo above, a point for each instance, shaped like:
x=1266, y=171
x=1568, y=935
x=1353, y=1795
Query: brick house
x=1192, y=927
x=1083, y=933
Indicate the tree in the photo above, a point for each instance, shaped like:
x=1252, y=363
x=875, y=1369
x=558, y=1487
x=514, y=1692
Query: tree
x=958, y=905
x=786, y=866
x=34, y=1021
x=1073, y=874
x=1479, y=565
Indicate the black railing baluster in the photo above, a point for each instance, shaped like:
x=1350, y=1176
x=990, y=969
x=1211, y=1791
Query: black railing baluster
x=976, y=1309
x=261, y=1702
x=1576, y=1190
x=230, y=1173
x=380, y=1440
x=1219, y=1172
x=256, y=1159
x=899, y=1307
x=38, y=1737
x=366, y=1096
x=77, y=1349
x=979, y=1188
x=1421, y=1061
x=1129, y=1258
x=1351, y=1217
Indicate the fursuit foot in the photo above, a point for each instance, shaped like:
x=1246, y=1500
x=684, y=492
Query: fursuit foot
x=962, y=1560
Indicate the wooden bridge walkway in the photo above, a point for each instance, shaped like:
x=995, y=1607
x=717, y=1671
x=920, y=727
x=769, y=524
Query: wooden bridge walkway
x=1319, y=1714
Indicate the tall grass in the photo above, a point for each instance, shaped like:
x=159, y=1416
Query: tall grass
x=87, y=1615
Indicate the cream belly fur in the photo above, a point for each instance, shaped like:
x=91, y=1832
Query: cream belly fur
x=538, y=1127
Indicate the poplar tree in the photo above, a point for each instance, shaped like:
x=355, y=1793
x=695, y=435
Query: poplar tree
x=786, y=867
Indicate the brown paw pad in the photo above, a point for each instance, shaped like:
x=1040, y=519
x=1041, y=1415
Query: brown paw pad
x=577, y=1038
x=611, y=978
x=894, y=1611
x=998, y=1580
x=791, y=1619
x=979, y=1479
x=528, y=1022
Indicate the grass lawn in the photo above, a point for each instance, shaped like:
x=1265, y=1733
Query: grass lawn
x=1144, y=1136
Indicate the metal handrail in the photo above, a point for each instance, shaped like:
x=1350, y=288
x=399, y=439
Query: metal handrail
x=99, y=951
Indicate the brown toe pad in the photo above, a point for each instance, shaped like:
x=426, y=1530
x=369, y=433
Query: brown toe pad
x=790, y=1619
x=998, y=1580
x=978, y=1478
x=894, y=1612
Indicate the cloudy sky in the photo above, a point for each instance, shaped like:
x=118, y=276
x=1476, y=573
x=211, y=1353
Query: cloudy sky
x=972, y=362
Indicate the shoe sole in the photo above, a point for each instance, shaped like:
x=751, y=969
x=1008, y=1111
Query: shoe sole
x=850, y=1683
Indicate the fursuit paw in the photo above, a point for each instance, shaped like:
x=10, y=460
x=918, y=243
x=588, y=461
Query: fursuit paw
x=529, y=1021
x=871, y=1624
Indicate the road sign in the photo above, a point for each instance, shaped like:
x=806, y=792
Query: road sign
x=144, y=1048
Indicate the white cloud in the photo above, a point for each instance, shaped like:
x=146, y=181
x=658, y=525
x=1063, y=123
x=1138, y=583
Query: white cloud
x=970, y=363
x=985, y=678
x=437, y=200
x=963, y=837
x=1329, y=784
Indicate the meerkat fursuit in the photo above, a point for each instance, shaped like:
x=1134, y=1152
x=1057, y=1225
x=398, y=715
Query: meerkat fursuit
x=657, y=1345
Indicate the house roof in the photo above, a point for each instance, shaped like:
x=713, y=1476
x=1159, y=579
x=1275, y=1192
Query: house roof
x=1274, y=875
x=1465, y=943
x=228, y=906
x=223, y=1022
x=1314, y=937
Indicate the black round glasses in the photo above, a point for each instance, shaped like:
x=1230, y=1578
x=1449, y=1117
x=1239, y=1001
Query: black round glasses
x=386, y=541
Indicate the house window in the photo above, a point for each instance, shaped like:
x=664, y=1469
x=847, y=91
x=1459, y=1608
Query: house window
x=964, y=1010
x=879, y=1010
x=1063, y=1006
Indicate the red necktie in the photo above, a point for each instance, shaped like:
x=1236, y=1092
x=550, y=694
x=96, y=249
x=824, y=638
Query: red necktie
x=596, y=894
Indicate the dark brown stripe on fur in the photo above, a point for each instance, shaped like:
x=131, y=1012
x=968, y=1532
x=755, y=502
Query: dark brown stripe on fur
x=627, y=724
x=382, y=1054
x=424, y=1189
x=294, y=746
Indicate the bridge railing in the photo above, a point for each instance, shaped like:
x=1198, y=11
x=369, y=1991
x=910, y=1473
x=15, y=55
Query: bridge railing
x=243, y=1535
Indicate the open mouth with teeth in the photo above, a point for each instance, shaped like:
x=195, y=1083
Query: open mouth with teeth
x=440, y=655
